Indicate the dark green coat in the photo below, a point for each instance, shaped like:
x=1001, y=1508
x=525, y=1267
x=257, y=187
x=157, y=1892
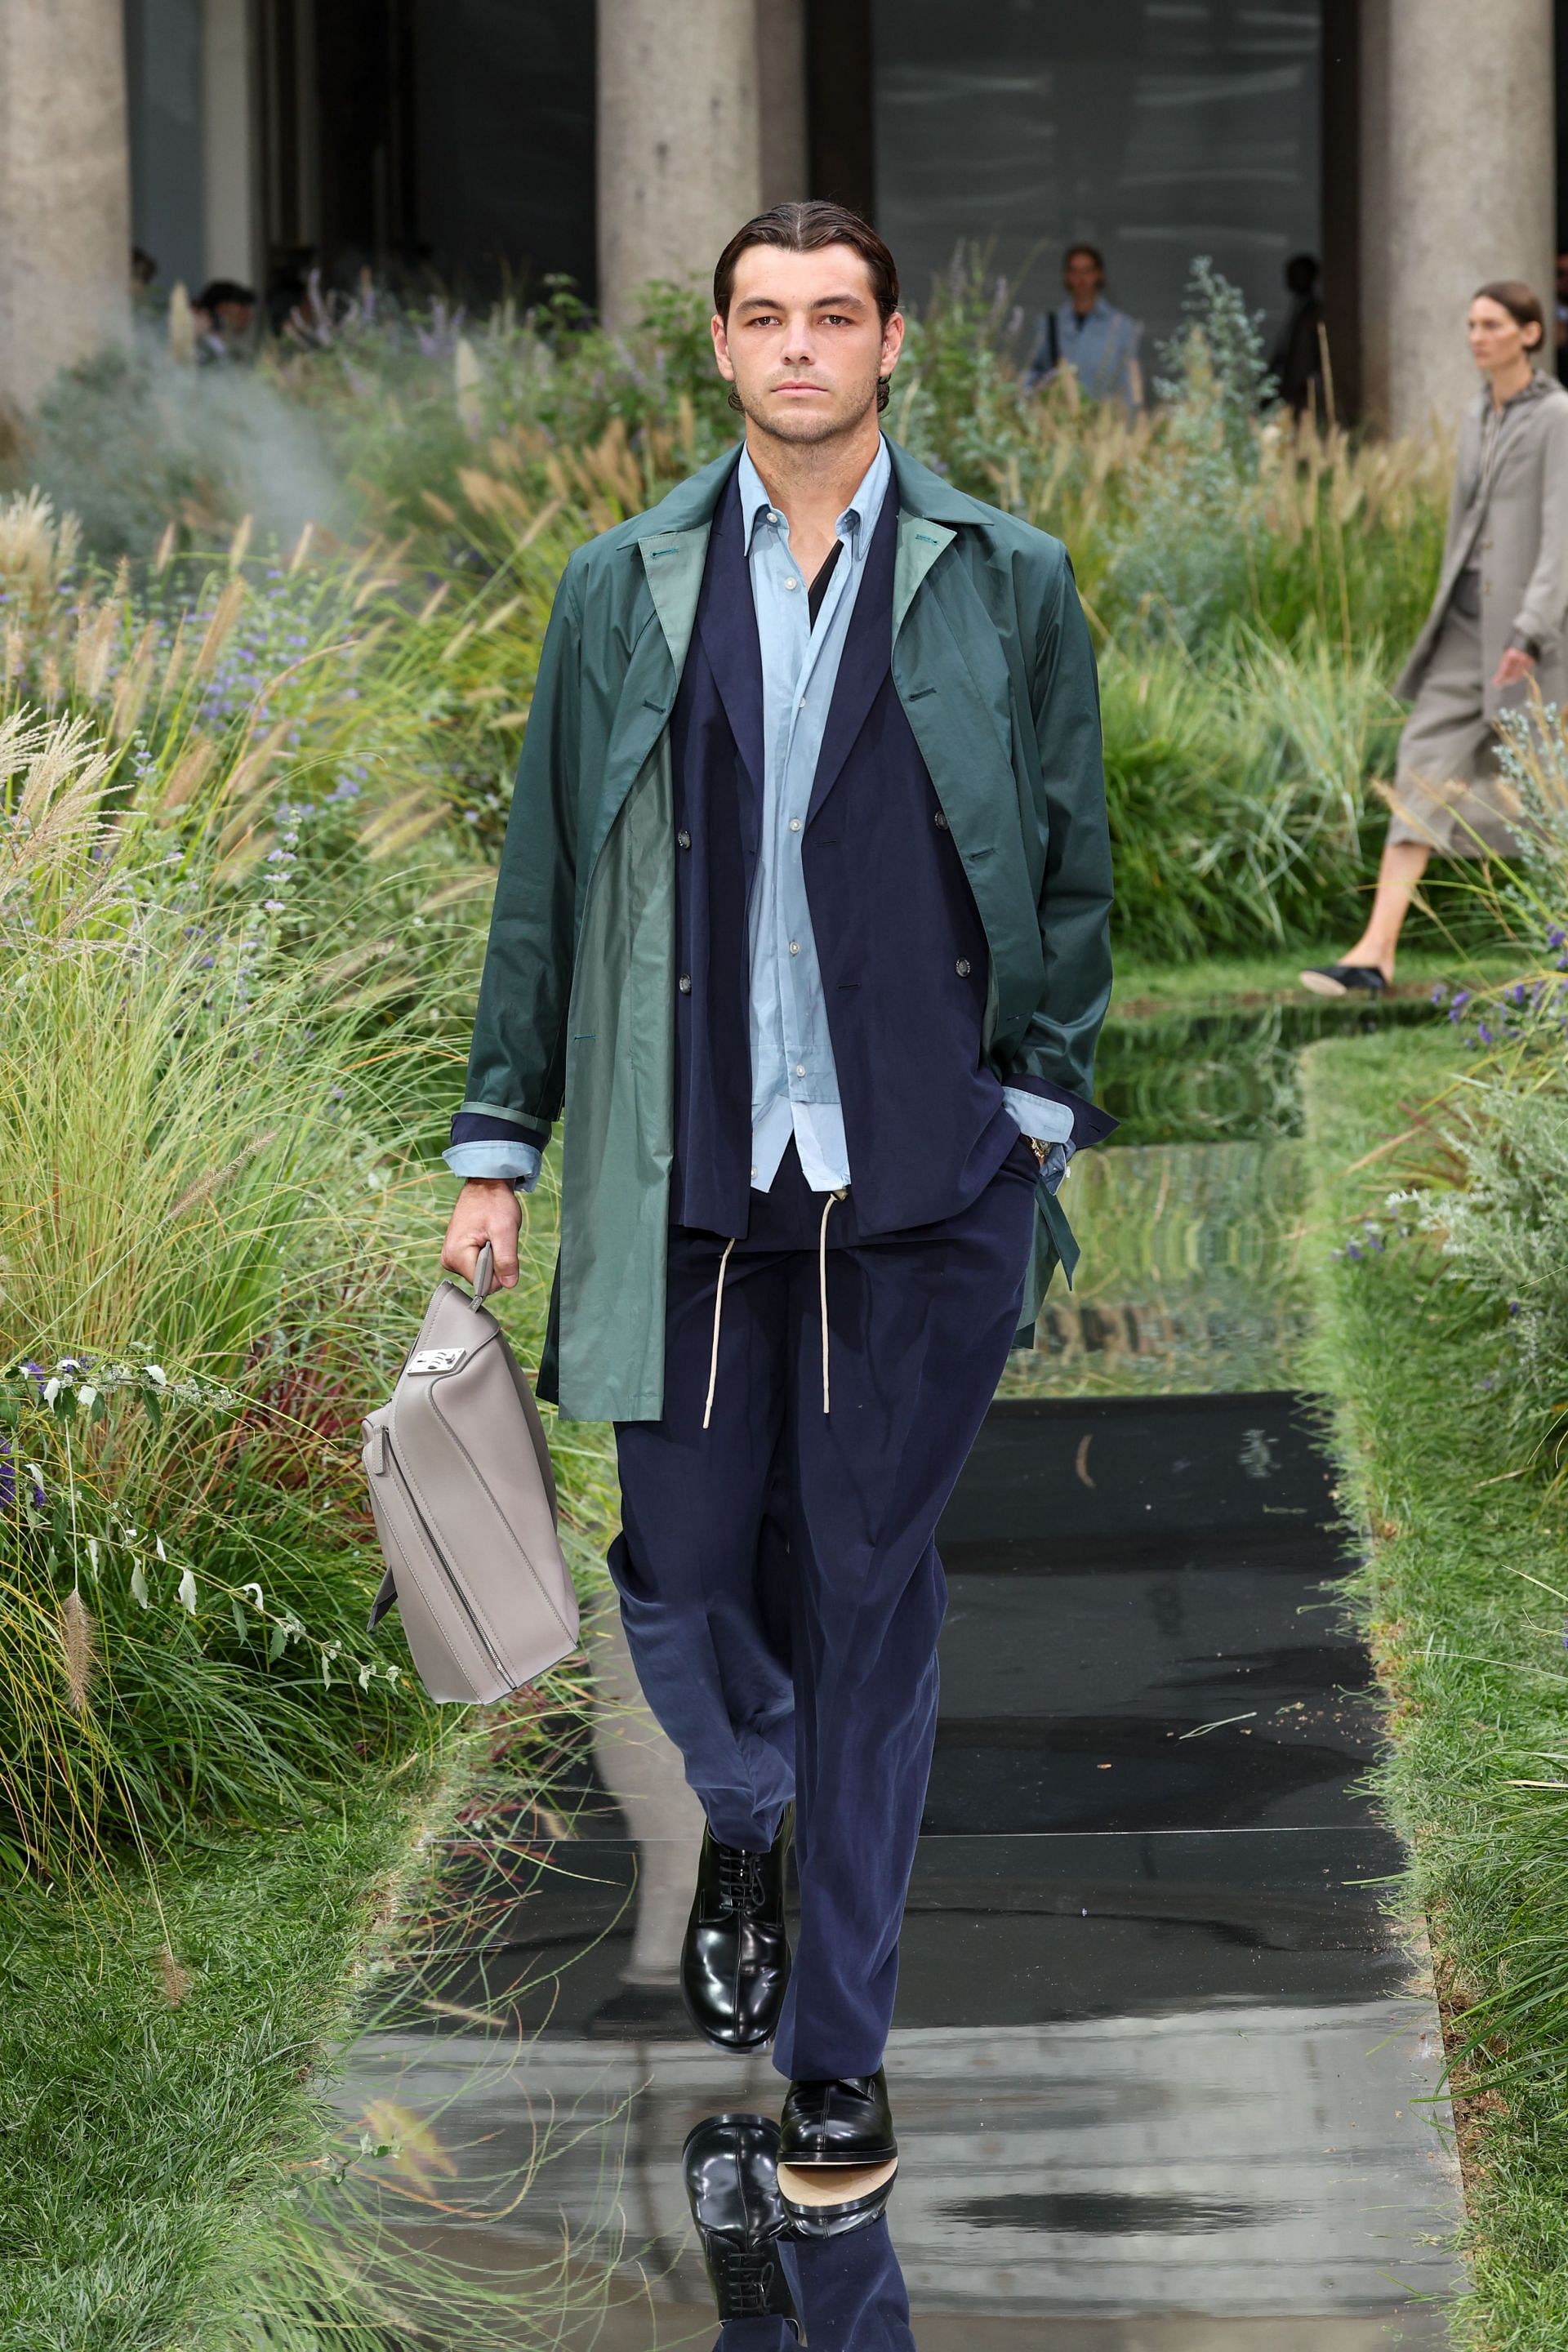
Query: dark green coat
x=991, y=663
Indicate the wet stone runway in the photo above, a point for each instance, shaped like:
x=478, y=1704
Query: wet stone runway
x=1164, y=2077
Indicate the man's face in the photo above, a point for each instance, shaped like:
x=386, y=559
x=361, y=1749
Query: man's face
x=1083, y=278
x=1562, y=277
x=804, y=343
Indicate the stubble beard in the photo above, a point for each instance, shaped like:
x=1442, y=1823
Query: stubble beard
x=806, y=432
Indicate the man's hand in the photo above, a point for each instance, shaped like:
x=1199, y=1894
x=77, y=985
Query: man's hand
x=487, y=1210
x=1515, y=664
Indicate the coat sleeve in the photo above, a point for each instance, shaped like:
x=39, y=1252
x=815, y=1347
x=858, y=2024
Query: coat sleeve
x=517, y=1061
x=1540, y=619
x=1074, y=902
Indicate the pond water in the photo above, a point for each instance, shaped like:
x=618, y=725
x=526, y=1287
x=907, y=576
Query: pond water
x=1191, y=1219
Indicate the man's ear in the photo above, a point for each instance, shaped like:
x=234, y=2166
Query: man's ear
x=721, y=360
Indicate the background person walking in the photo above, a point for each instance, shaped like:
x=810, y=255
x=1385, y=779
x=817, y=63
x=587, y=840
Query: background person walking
x=1496, y=624
x=1087, y=333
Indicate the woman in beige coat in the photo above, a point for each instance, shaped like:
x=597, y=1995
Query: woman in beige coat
x=1497, y=633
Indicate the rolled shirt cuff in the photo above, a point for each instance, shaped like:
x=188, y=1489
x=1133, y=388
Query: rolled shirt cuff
x=1525, y=641
x=513, y=1163
x=1037, y=1116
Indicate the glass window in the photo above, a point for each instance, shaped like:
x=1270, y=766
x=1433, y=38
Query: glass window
x=1157, y=129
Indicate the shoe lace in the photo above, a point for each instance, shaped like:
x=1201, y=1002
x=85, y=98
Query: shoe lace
x=740, y=1879
x=747, y=2281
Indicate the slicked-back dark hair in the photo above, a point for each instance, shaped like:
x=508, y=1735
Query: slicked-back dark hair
x=1522, y=302
x=807, y=228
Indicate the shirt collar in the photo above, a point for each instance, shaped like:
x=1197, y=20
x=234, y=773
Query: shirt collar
x=1101, y=309
x=859, y=518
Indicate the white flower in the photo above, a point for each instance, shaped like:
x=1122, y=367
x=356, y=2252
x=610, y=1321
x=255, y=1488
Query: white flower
x=51, y=1391
x=158, y=1547
x=188, y=1592
x=156, y=1373
x=138, y=1584
x=253, y=1588
x=92, y=1554
x=87, y=1395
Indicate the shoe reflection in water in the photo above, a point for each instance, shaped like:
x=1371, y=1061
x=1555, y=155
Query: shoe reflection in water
x=848, y=2296
x=773, y=2289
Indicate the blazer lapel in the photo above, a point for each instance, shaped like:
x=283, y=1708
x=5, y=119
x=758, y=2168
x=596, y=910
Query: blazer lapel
x=727, y=625
x=868, y=651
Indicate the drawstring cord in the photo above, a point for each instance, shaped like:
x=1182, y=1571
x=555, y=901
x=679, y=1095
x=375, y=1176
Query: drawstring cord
x=822, y=1294
x=718, y=1311
x=822, y=1285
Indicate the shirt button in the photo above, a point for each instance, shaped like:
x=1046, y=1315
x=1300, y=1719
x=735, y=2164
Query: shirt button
x=794, y=824
x=961, y=967
x=754, y=1172
x=684, y=838
x=791, y=583
x=941, y=821
x=800, y=1069
x=686, y=983
x=795, y=946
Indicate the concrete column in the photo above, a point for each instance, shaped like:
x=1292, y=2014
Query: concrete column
x=1459, y=176
x=229, y=161
x=679, y=142
x=65, y=189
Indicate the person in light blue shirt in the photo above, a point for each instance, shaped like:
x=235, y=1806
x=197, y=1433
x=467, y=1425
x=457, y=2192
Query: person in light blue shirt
x=1087, y=333
x=802, y=921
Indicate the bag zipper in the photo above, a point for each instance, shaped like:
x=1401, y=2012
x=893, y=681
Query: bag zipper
x=390, y=1464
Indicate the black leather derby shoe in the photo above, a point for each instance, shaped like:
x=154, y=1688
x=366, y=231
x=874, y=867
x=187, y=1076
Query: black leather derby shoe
x=730, y=2167
x=847, y=2122
x=734, y=1963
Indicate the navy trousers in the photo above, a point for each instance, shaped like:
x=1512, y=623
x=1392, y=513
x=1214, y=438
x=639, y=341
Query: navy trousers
x=850, y=2293
x=778, y=1576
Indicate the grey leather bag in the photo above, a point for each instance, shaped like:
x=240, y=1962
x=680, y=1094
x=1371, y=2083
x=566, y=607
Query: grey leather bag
x=463, y=1499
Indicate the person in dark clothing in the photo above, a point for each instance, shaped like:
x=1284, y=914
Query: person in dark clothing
x=1297, y=359
x=226, y=320
x=804, y=908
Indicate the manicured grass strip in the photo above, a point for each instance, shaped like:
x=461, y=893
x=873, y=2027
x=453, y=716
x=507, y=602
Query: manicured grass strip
x=1462, y=1598
x=1212, y=981
x=154, y=2067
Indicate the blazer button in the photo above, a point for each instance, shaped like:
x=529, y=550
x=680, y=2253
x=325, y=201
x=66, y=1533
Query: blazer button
x=942, y=822
x=962, y=967
x=686, y=983
x=684, y=838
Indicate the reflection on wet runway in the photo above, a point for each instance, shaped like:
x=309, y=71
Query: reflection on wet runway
x=1165, y=2077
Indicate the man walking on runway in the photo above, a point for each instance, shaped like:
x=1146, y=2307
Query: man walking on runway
x=803, y=915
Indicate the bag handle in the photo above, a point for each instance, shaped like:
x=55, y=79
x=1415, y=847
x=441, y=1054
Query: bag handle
x=484, y=1275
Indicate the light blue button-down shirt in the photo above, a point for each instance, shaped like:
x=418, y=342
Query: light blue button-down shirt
x=1102, y=347
x=794, y=1082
